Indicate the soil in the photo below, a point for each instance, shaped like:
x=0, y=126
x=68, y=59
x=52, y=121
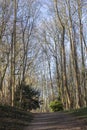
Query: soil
x=57, y=121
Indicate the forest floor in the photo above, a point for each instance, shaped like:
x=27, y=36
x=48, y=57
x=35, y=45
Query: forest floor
x=75, y=120
x=16, y=119
x=13, y=118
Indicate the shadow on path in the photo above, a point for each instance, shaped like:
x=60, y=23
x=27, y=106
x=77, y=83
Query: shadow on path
x=56, y=121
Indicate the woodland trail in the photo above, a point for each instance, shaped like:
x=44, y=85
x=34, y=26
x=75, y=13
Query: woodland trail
x=57, y=121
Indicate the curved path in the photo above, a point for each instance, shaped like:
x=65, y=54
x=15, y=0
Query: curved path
x=56, y=121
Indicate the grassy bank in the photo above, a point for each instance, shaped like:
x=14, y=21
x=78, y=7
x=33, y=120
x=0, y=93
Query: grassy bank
x=81, y=113
x=13, y=118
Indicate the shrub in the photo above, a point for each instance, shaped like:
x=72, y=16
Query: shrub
x=56, y=106
x=29, y=97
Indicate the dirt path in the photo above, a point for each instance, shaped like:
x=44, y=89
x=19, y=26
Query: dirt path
x=57, y=121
